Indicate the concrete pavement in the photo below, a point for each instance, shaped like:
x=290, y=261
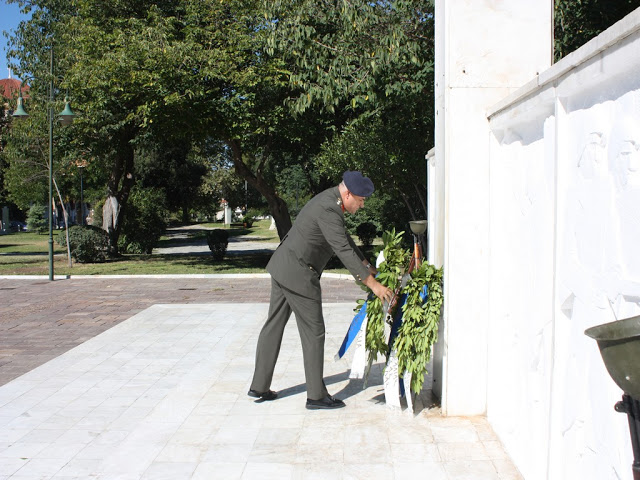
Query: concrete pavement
x=146, y=378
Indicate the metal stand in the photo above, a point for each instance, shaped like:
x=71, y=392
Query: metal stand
x=631, y=407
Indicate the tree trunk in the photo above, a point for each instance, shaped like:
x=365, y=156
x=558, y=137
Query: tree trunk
x=280, y=212
x=66, y=223
x=118, y=189
x=277, y=206
x=185, y=214
x=111, y=222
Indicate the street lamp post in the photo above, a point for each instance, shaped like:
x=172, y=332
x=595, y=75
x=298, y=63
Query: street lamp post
x=81, y=164
x=81, y=198
x=66, y=117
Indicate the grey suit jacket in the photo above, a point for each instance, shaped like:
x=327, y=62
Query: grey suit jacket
x=317, y=233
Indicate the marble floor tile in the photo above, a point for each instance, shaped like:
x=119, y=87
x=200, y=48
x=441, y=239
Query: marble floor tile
x=471, y=470
x=432, y=471
x=226, y=470
x=169, y=470
x=163, y=395
x=271, y=471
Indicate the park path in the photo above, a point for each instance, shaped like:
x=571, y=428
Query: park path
x=238, y=245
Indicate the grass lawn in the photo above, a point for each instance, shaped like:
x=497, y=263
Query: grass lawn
x=26, y=253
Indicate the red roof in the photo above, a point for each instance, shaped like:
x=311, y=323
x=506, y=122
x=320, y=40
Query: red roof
x=9, y=87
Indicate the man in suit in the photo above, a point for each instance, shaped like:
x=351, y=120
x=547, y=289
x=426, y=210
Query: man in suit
x=295, y=269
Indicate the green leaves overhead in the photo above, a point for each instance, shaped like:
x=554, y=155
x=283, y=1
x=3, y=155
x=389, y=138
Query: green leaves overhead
x=578, y=21
x=146, y=74
x=352, y=52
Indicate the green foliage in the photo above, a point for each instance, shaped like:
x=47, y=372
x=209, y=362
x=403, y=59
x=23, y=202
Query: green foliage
x=144, y=222
x=392, y=157
x=218, y=240
x=88, y=244
x=419, y=329
x=578, y=21
x=294, y=184
x=157, y=77
x=366, y=233
x=172, y=78
x=177, y=172
x=389, y=274
x=96, y=218
x=26, y=155
x=36, y=221
x=251, y=215
x=353, y=52
x=372, y=64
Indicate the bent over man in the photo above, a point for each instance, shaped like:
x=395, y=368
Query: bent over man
x=295, y=269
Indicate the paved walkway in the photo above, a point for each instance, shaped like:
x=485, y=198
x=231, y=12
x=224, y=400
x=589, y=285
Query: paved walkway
x=40, y=319
x=146, y=378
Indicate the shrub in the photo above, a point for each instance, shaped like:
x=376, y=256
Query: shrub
x=366, y=233
x=96, y=213
x=88, y=244
x=251, y=215
x=144, y=222
x=35, y=219
x=218, y=240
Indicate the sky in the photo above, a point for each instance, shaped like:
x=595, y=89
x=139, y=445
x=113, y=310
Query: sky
x=10, y=17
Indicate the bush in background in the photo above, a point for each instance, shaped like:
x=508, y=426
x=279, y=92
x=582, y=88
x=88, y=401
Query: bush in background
x=251, y=216
x=96, y=213
x=36, y=221
x=366, y=232
x=88, y=244
x=218, y=240
x=144, y=222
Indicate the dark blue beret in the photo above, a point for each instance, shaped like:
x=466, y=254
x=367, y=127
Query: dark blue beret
x=357, y=184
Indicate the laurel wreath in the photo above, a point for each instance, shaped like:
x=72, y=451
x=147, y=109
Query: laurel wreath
x=419, y=328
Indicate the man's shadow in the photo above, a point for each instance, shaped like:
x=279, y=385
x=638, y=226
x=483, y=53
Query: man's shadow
x=349, y=390
x=426, y=400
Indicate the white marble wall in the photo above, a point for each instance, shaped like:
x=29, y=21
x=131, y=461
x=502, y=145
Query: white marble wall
x=485, y=49
x=564, y=238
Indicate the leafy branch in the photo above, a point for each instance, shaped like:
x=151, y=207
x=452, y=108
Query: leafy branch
x=420, y=313
x=396, y=260
x=419, y=329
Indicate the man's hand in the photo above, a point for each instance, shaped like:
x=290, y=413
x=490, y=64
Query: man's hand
x=383, y=293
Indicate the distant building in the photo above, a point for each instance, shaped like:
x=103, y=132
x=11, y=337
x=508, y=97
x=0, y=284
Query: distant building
x=9, y=88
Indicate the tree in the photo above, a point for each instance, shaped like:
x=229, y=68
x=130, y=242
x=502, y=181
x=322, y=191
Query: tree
x=151, y=73
x=26, y=154
x=354, y=50
x=294, y=186
x=578, y=21
x=172, y=72
x=174, y=169
x=373, y=60
x=4, y=131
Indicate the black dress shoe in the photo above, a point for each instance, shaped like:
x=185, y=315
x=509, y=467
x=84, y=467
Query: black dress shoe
x=268, y=395
x=327, y=402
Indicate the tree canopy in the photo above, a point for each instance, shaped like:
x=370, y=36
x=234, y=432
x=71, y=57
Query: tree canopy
x=578, y=21
x=289, y=92
x=373, y=62
x=154, y=83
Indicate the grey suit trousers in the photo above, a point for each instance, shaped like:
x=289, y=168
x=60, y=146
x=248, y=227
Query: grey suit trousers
x=308, y=312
